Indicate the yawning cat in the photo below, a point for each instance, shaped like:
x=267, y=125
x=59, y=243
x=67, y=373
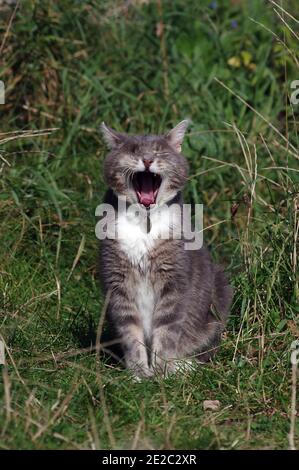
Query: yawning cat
x=167, y=303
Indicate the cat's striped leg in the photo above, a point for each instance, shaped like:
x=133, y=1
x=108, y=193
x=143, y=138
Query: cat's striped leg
x=166, y=337
x=133, y=344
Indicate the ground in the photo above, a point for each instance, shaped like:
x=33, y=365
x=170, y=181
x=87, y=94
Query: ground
x=142, y=66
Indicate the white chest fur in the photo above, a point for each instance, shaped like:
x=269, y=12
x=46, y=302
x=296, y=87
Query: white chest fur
x=145, y=299
x=136, y=242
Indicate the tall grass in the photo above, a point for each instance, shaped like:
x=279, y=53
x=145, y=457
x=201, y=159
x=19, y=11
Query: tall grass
x=141, y=67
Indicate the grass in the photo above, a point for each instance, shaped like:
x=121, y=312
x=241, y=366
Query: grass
x=70, y=65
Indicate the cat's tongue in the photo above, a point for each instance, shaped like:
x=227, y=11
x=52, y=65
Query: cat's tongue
x=146, y=190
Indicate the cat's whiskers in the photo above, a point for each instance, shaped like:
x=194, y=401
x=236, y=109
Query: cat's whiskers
x=172, y=171
x=128, y=174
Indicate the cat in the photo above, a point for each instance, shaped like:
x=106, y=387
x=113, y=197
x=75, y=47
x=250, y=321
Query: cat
x=168, y=305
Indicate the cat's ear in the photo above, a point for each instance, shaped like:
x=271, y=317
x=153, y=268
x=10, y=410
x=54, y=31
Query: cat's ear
x=111, y=137
x=176, y=135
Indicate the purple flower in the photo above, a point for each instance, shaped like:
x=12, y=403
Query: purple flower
x=234, y=24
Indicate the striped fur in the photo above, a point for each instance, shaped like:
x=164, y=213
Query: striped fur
x=163, y=297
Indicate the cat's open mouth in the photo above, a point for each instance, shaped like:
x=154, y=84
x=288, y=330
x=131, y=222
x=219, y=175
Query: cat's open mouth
x=146, y=185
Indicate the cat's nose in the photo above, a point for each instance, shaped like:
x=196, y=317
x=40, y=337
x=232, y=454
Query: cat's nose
x=147, y=162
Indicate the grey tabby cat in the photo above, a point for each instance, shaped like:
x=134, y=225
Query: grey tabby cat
x=167, y=303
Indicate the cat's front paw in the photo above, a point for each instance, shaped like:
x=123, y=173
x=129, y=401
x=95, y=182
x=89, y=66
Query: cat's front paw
x=162, y=366
x=140, y=373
